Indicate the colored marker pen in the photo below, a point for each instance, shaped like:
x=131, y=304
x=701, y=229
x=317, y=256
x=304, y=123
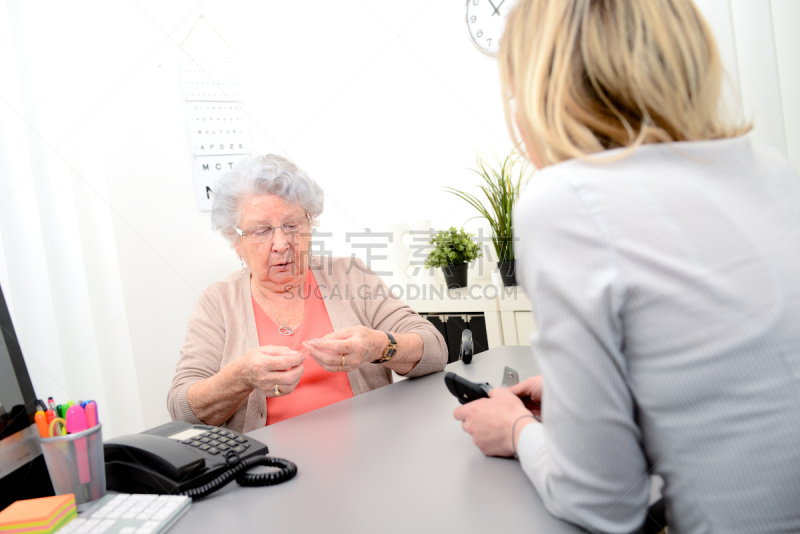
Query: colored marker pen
x=91, y=414
x=41, y=424
x=76, y=422
x=49, y=416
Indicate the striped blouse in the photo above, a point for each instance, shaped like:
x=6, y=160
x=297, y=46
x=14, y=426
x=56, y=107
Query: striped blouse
x=666, y=291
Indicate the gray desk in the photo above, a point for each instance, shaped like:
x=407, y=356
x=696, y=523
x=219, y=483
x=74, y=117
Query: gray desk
x=392, y=460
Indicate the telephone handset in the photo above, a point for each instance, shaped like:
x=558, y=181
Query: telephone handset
x=183, y=459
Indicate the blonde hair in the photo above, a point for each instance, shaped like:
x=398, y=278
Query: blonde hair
x=591, y=75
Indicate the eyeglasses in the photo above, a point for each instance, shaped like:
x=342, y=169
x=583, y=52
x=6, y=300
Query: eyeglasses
x=264, y=233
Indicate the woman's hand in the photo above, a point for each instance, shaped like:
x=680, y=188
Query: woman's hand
x=530, y=391
x=490, y=421
x=346, y=349
x=265, y=367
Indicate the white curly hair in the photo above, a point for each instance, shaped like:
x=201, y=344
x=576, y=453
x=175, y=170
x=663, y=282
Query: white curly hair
x=262, y=175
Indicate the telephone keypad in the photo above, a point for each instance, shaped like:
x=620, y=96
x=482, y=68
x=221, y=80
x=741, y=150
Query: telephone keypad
x=216, y=440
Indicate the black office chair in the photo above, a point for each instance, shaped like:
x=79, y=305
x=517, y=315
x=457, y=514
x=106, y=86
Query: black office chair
x=467, y=346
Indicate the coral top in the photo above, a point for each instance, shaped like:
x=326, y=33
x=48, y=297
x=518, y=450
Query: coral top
x=317, y=387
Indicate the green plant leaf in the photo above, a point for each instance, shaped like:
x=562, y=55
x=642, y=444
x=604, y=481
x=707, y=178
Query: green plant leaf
x=452, y=247
x=501, y=185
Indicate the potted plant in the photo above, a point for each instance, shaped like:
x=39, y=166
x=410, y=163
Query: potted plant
x=502, y=184
x=452, y=251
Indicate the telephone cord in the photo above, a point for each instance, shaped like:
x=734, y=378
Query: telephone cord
x=238, y=471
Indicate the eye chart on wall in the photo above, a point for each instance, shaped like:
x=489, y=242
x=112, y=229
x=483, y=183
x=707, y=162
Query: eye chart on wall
x=217, y=126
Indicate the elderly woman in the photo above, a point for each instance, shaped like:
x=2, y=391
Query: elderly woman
x=659, y=247
x=288, y=334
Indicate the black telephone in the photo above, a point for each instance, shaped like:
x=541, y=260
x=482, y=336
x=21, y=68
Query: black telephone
x=184, y=459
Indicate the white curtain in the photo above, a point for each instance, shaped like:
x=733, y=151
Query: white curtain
x=59, y=269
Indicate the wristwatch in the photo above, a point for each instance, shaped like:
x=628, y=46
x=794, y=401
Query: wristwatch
x=389, y=351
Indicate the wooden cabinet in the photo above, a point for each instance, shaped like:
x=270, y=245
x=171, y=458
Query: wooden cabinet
x=516, y=317
x=525, y=327
x=506, y=310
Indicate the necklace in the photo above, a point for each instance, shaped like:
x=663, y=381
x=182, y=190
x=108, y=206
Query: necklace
x=284, y=329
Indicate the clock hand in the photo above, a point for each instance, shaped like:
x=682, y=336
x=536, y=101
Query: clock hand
x=495, y=8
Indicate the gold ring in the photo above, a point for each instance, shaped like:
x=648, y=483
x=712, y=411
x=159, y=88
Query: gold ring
x=343, y=357
x=277, y=391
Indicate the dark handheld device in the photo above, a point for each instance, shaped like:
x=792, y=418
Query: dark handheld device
x=464, y=390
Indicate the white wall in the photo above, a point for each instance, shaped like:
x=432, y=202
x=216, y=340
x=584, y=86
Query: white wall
x=785, y=18
x=758, y=40
x=381, y=102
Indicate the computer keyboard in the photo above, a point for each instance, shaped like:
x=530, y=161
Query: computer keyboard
x=124, y=513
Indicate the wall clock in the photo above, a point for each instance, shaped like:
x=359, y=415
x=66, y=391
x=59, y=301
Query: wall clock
x=486, y=20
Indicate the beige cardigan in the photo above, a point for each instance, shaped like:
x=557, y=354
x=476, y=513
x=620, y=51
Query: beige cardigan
x=222, y=328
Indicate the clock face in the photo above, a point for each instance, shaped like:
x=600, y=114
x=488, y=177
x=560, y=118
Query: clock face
x=486, y=20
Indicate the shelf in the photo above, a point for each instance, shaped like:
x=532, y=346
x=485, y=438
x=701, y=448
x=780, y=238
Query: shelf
x=507, y=309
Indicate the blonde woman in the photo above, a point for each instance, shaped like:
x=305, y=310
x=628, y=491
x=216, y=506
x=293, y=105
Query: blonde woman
x=660, y=248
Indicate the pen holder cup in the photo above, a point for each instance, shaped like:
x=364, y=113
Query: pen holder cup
x=77, y=465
